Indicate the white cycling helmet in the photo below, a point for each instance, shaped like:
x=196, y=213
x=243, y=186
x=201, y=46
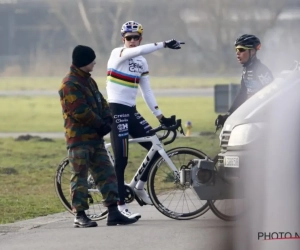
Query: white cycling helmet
x=131, y=26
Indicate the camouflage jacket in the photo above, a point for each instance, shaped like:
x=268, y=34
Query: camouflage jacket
x=83, y=108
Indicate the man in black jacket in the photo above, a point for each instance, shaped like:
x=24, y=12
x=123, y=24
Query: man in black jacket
x=255, y=74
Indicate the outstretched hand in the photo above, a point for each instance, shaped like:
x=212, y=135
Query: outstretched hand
x=173, y=44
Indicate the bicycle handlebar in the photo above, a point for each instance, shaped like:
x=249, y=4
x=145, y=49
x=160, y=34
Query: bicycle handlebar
x=170, y=129
x=165, y=136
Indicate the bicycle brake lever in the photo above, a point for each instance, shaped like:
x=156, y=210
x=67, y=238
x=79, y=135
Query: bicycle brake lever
x=217, y=128
x=180, y=129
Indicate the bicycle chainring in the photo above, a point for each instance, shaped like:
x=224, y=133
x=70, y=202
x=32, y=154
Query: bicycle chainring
x=129, y=194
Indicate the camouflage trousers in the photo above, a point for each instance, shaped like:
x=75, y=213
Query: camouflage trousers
x=91, y=159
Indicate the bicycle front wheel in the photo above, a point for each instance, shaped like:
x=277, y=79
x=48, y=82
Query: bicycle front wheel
x=96, y=210
x=172, y=199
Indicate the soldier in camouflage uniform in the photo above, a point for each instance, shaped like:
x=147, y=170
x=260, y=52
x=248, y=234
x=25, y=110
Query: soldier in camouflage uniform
x=87, y=118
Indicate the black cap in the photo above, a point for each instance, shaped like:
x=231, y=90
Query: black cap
x=82, y=56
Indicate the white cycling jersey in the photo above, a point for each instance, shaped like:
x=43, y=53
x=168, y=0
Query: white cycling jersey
x=126, y=70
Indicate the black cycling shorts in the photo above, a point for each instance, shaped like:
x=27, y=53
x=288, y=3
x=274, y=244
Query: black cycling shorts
x=127, y=121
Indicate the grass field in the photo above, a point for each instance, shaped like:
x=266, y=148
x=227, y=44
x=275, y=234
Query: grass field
x=27, y=168
x=43, y=114
x=53, y=83
x=27, y=171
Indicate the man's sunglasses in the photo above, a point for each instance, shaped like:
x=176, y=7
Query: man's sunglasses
x=135, y=38
x=241, y=49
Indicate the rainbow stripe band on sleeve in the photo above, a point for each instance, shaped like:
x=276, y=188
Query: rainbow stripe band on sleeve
x=123, y=79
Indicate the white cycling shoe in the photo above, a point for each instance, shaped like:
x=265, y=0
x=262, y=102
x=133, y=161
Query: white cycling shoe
x=129, y=214
x=143, y=195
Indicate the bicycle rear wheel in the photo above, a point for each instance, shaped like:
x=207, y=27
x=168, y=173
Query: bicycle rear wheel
x=172, y=199
x=228, y=209
x=96, y=210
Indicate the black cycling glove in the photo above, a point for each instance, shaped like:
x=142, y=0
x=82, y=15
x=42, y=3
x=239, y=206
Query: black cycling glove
x=104, y=129
x=108, y=120
x=173, y=44
x=168, y=122
x=219, y=122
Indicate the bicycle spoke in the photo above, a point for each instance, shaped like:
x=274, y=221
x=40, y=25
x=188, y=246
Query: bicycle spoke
x=190, y=199
x=96, y=210
x=178, y=201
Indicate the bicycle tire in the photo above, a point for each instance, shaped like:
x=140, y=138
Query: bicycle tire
x=214, y=203
x=157, y=201
x=213, y=206
x=61, y=193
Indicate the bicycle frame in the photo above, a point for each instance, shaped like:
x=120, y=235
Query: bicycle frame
x=157, y=146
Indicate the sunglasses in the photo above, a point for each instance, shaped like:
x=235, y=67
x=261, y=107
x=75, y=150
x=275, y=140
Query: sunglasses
x=135, y=38
x=241, y=49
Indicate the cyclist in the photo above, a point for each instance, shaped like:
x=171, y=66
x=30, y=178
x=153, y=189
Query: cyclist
x=128, y=70
x=255, y=74
x=87, y=118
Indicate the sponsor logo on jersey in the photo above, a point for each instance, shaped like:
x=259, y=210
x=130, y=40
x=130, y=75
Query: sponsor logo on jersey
x=121, y=120
x=135, y=66
x=123, y=134
x=265, y=79
x=122, y=127
x=143, y=122
x=138, y=116
x=121, y=116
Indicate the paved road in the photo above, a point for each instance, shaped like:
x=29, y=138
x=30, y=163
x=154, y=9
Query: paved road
x=158, y=92
x=152, y=231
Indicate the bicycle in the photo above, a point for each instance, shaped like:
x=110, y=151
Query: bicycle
x=167, y=172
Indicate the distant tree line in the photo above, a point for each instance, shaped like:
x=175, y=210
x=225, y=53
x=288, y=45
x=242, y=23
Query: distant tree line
x=37, y=37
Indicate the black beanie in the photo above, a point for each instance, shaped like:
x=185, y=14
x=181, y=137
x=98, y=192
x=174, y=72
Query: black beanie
x=82, y=56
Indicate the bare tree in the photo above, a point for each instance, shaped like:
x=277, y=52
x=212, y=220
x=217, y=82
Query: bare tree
x=219, y=22
x=209, y=28
x=61, y=9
